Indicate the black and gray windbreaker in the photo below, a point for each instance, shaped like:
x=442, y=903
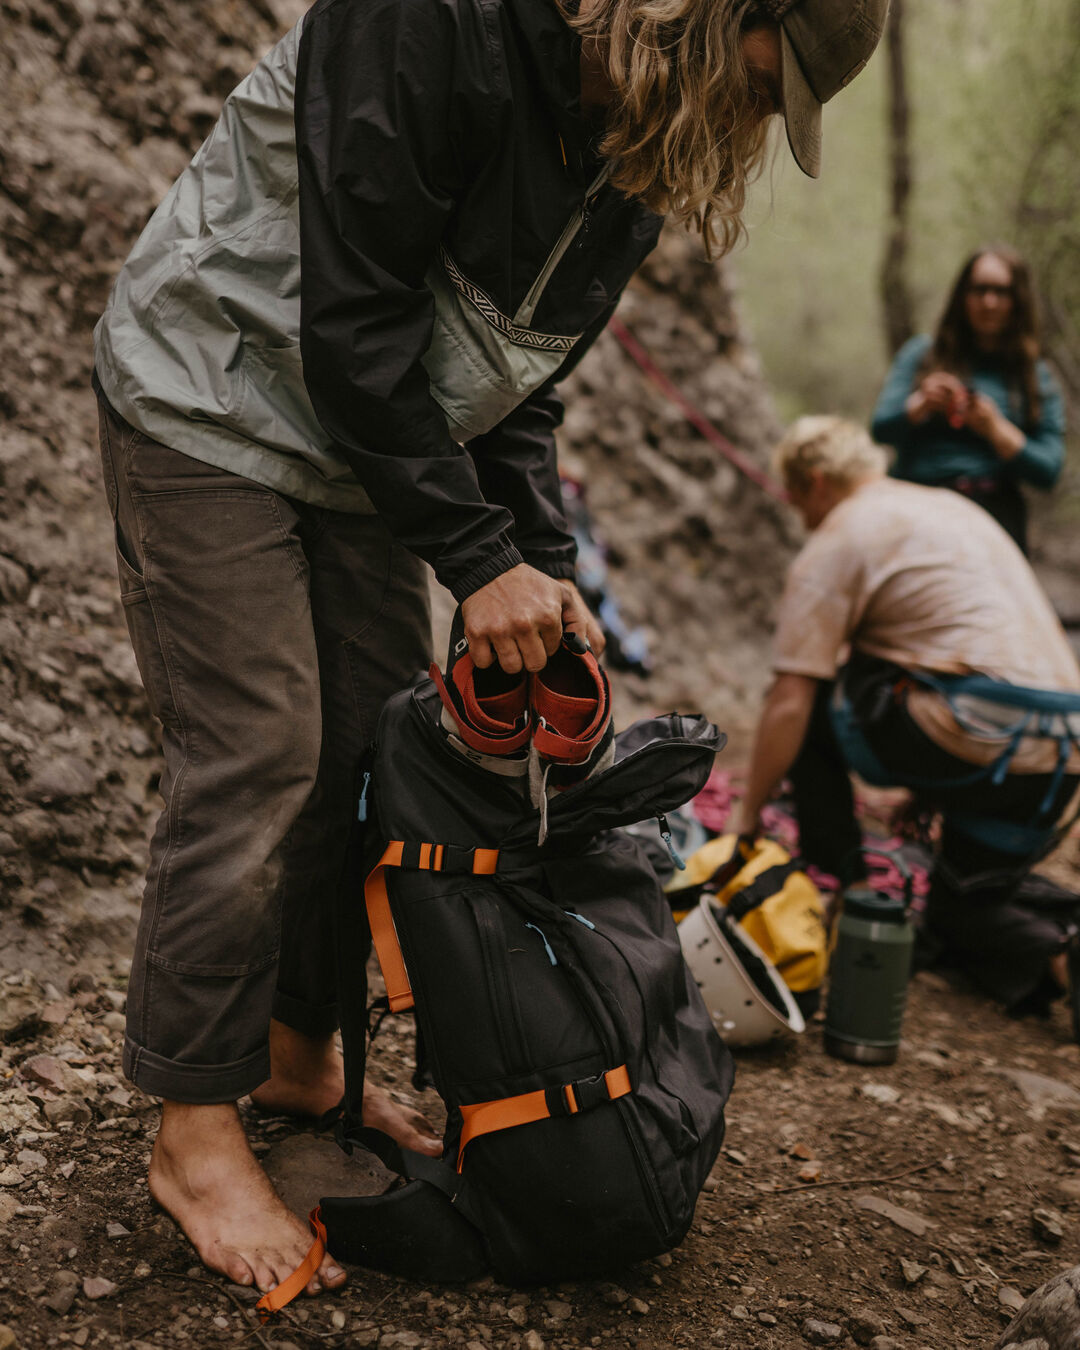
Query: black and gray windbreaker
x=392, y=244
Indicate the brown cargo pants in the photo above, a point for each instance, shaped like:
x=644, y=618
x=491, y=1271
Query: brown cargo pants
x=268, y=634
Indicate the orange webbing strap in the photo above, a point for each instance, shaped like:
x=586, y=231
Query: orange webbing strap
x=485, y=1117
x=297, y=1282
x=383, y=933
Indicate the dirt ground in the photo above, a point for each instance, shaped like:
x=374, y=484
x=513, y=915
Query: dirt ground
x=916, y=1203
x=919, y=1202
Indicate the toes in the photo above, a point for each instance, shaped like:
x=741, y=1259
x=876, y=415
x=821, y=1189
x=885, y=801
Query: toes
x=234, y=1267
x=330, y=1275
x=266, y=1277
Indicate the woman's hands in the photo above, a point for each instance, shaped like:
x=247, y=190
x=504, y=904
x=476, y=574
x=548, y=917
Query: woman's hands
x=986, y=419
x=944, y=395
x=941, y=393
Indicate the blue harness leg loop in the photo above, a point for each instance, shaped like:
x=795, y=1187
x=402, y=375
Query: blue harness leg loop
x=1045, y=715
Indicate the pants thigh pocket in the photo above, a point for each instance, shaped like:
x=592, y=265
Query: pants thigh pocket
x=145, y=641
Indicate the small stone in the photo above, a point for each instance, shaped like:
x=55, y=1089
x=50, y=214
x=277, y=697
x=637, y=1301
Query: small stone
x=364, y=1340
x=664, y=1259
x=519, y=1316
x=885, y=1343
x=821, y=1333
x=97, y=1286
x=810, y=1171
x=864, y=1327
x=533, y=1341
x=221, y=1322
x=141, y=1270
x=60, y=777
x=911, y=1270
x=8, y=1339
x=710, y=1185
x=11, y=1176
x=51, y=1072
x=116, y=1230
x=736, y=1156
x=766, y=1319
x=613, y=1296
x=1048, y=1225
x=337, y=1320
x=1009, y=1297
x=68, y=1108
x=903, y=1218
x=30, y=1161
x=802, y=1151
x=741, y=1312
x=60, y=1291
x=881, y=1093
x=558, y=1310
x=638, y=1306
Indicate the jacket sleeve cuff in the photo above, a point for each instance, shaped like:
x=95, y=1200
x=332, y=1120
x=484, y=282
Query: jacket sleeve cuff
x=551, y=567
x=462, y=587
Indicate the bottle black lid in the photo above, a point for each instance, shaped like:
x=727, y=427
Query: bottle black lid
x=865, y=903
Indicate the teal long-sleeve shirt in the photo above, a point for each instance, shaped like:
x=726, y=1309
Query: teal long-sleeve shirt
x=936, y=454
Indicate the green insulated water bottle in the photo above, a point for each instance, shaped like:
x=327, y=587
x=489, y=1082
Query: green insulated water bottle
x=868, y=974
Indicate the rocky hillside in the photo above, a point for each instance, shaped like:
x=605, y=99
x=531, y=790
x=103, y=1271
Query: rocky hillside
x=101, y=104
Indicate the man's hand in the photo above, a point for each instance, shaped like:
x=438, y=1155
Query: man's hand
x=518, y=619
x=578, y=618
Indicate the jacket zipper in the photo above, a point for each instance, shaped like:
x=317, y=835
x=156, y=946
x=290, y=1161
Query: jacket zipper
x=524, y=317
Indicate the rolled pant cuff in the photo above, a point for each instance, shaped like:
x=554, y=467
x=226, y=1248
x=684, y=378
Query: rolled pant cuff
x=195, y=1084
x=310, y=1019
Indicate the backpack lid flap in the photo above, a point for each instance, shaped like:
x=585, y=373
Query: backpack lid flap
x=660, y=763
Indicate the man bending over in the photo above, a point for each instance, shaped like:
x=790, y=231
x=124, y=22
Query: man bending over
x=899, y=590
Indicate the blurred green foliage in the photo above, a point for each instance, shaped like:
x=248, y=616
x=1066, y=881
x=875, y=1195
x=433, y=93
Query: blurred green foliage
x=995, y=99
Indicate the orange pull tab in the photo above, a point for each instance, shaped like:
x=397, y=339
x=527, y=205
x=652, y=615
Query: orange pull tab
x=297, y=1282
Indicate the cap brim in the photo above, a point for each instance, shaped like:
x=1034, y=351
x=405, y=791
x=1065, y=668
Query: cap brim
x=802, y=111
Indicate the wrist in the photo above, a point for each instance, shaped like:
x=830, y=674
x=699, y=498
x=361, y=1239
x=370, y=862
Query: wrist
x=1008, y=439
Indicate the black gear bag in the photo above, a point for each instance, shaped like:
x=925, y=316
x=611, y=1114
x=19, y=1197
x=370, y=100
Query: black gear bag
x=583, y=1080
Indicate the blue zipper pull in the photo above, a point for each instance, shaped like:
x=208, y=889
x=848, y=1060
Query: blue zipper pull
x=361, y=806
x=547, y=945
x=665, y=835
x=581, y=919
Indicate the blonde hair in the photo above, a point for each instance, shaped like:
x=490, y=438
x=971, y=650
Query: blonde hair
x=833, y=446
x=683, y=129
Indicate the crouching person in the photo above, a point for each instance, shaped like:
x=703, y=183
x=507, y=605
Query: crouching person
x=915, y=645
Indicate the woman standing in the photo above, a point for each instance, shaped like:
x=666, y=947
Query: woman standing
x=330, y=357
x=975, y=408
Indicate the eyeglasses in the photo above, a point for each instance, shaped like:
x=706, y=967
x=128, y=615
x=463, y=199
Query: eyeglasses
x=983, y=291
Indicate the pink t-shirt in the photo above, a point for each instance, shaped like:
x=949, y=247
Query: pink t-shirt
x=923, y=577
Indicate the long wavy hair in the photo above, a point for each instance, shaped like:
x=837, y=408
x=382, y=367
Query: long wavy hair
x=956, y=350
x=682, y=130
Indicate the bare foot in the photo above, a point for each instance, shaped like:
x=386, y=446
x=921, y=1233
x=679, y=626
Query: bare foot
x=203, y=1172
x=307, y=1078
x=406, y=1126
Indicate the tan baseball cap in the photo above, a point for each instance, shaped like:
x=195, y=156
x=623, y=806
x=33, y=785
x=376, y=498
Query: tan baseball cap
x=824, y=44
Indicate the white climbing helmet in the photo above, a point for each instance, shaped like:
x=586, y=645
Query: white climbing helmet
x=749, y=1001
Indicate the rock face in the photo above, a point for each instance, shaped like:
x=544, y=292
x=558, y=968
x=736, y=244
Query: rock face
x=697, y=550
x=1050, y=1317
x=101, y=105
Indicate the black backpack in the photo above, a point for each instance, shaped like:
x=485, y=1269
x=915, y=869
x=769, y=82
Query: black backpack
x=583, y=1079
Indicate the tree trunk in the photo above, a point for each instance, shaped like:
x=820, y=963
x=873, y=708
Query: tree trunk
x=895, y=291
